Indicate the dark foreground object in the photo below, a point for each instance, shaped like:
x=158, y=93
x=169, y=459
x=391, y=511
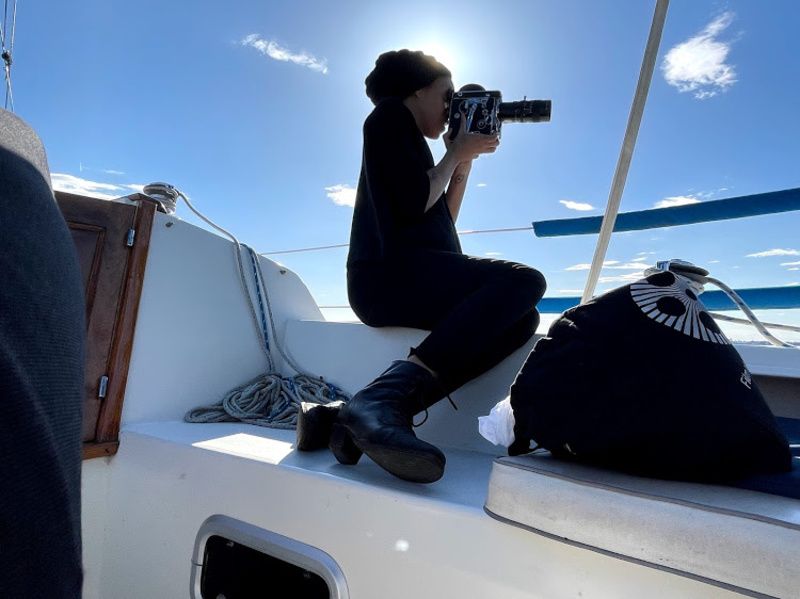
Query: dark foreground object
x=41, y=378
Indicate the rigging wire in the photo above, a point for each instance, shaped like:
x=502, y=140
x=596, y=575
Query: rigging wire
x=7, y=52
x=344, y=245
x=5, y=20
x=14, y=24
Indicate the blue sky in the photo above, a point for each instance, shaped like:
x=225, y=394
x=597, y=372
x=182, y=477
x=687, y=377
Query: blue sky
x=254, y=109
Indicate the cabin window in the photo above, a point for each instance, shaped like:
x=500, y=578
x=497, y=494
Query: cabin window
x=234, y=571
x=236, y=560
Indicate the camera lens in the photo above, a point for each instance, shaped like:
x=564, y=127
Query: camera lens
x=524, y=111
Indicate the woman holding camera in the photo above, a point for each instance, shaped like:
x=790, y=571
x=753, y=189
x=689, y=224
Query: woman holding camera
x=405, y=268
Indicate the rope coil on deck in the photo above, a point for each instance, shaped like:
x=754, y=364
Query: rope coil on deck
x=270, y=399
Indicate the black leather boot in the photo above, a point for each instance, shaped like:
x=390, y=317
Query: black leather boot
x=315, y=422
x=378, y=422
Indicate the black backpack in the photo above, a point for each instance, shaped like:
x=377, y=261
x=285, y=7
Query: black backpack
x=643, y=380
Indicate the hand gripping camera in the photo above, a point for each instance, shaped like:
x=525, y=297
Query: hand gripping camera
x=485, y=111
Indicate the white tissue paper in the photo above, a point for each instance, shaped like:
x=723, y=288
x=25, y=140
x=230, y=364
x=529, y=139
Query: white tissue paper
x=498, y=426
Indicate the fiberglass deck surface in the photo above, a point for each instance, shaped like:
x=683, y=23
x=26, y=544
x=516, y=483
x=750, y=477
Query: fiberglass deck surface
x=464, y=483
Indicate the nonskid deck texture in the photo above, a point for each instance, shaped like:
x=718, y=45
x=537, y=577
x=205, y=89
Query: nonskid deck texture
x=390, y=538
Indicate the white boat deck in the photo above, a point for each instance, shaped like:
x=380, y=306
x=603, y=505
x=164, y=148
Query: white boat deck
x=463, y=485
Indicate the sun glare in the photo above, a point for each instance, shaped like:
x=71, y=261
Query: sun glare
x=441, y=52
x=462, y=61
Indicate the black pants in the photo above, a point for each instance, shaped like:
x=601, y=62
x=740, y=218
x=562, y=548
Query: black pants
x=478, y=310
x=42, y=333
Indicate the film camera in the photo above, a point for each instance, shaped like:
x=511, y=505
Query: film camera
x=485, y=111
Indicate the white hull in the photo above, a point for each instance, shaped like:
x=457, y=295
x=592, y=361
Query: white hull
x=143, y=508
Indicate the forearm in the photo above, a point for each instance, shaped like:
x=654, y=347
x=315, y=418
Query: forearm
x=439, y=176
x=457, y=187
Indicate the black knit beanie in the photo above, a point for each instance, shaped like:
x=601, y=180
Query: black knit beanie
x=399, y=73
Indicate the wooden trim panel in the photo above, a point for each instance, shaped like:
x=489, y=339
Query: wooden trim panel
x=109, y=421
x=113, y=276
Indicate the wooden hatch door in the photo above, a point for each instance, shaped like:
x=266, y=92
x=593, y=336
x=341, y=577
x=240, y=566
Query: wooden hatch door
x=112, y=238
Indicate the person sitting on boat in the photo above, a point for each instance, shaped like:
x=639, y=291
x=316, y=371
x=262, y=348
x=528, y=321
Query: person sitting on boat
x=405, y=268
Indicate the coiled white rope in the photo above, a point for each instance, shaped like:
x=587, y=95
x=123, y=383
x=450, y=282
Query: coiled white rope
x=268, y=400
x=271, y=399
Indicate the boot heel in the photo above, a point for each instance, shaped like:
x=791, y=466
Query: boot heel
x=314, y=424
x=343, y=447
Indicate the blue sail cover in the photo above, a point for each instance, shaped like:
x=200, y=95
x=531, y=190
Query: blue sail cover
x=758, y=298
x=702, y=212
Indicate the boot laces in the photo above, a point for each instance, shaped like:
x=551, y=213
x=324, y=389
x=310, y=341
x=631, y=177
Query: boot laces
x=425, y=418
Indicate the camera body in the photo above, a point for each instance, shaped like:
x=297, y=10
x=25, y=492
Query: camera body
x=485, y=111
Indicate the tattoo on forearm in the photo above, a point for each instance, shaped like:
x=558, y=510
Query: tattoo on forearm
x=459, y=178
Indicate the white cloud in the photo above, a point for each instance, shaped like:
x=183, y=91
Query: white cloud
x=342, y=195
x=85, y=187
x=774, y=252
x=713, y=261
x=493, y=254
x=481, y=185
x=796, y=263
x=581, y=206
x=610, y=265
x=671, y=201
x=570, y=291
x=93, y=189
x=627, y=278
x=698, y=64
x=107, y=171
x=587, y=266
x=795, y=268
x=273, y=50
x=644, y=253
x=639, y=259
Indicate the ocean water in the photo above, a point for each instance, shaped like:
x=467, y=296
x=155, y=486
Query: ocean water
x=740, y=333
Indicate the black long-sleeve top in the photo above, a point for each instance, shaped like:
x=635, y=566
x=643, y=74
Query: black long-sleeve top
x=389, y=217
